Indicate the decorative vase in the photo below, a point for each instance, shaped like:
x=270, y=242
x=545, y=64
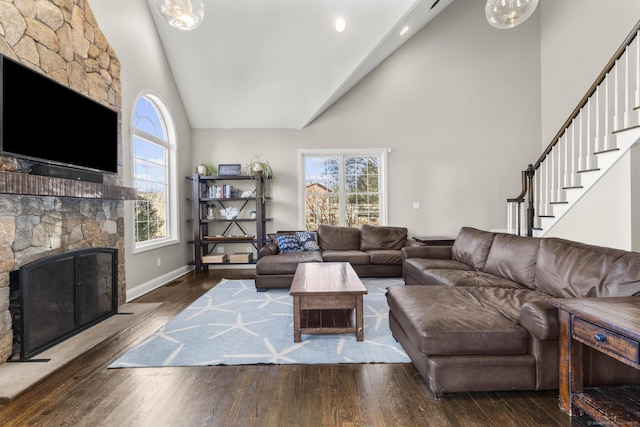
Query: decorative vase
x=257, y=167
x=201, y=169
x=211, y=212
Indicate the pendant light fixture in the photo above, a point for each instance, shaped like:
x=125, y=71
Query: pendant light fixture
x=181, y=14
x=505, y=14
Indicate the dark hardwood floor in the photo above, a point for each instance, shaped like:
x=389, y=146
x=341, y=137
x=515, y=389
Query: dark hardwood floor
x=86, y=393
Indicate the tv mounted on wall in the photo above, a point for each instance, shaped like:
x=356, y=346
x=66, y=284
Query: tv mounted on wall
x=44, y=121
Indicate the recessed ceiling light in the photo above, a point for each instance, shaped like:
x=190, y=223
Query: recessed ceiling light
x=404, y=30
x=341, y=24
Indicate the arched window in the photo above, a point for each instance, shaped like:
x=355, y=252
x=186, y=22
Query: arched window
x=153, y=174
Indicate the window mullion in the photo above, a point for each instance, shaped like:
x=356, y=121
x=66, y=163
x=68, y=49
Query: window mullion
x=151, y=138
x=342, y=197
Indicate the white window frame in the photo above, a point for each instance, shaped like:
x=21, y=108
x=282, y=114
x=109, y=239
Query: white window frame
x=381, y=153
x=172, y=214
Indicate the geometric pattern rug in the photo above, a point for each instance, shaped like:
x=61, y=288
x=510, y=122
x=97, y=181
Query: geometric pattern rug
x=232, y=324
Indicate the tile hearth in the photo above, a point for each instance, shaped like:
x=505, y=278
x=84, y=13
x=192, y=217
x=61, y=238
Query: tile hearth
x=19, y=376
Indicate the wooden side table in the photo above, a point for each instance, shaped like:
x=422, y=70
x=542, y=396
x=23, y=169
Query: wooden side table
x=435, y=240
x=610, y=326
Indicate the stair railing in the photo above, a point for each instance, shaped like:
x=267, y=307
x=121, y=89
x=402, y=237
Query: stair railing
x=609, y=106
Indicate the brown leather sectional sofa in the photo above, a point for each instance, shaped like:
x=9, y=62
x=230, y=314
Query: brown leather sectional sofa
x=474, y=316
x=373, y=251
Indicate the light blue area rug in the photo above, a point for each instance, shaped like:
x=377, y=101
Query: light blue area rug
x=232, y=324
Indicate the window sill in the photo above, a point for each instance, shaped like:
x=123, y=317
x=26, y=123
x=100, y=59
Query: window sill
x=144, y=247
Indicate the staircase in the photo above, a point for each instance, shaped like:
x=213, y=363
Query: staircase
x=600, y=130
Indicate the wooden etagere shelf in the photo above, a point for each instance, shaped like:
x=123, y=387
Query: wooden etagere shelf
x=209, y=232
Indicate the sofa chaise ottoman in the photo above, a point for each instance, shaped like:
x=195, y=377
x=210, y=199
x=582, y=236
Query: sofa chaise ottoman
x=474, y=316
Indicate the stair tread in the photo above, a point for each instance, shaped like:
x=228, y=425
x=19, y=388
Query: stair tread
x=559, y=203
x=573, y=188
x=624, y=129
x=589, y=170
x=607, y=151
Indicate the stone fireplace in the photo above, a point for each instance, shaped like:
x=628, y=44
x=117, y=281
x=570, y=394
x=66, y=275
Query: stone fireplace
x=42, y=216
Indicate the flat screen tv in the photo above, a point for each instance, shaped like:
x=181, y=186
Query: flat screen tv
x=44, y=121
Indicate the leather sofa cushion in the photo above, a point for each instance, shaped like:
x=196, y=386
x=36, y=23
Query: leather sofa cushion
x=514, y=258
x=450, y=321
x=449, y=277
x=541, y=319
x=338, y=238
x=382, y=256
x=569, y=269
x=270, y=248
x=506, y=301
x=423, y=251
x=353, y=257
x=382, y=237
x=285, y=263
x=415, y=266
x=472, y=247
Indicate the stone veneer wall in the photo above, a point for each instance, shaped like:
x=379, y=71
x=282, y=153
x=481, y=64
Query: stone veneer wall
x=61, y=39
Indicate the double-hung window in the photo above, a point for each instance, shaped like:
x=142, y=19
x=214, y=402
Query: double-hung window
x=342, y=187
x=153, y=175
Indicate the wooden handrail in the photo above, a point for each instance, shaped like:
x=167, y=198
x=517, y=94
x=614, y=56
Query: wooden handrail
x=527, y=175
x=520, y=197
x=591, y=91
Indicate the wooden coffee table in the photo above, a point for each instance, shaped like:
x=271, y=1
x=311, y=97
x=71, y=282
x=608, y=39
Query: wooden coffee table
x=326, y=298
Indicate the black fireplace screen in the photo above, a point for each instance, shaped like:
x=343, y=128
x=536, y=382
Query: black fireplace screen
x=58, y=296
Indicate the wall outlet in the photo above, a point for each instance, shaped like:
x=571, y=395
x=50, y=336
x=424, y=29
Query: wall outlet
x=416, y=205
x=220, y=249
x=159, y=262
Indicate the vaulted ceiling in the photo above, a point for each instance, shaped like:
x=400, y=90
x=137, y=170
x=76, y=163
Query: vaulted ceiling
x=281, y=63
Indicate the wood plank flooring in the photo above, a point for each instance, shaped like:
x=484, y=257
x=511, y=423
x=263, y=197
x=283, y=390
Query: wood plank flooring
x=86, y=393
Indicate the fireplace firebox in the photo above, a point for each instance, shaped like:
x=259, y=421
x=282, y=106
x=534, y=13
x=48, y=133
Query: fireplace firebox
x=56, y=297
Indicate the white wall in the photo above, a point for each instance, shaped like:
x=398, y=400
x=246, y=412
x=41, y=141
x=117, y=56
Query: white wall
x=578, y=38
x=445, y=104
x=603, y=215
x=635, y=198
x=144, y=68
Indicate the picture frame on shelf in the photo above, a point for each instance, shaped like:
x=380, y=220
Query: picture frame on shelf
x=229, y=170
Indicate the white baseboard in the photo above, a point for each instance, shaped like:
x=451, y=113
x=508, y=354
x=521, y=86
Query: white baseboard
x=147, y=287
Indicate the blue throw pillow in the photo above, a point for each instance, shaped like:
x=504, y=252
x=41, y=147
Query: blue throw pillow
x=308, y=240
x=288, y=243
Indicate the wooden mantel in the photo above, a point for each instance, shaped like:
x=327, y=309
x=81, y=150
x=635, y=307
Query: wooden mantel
x=26, y=184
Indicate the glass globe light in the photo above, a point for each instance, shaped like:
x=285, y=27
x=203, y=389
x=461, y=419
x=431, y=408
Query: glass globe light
x=181, y=14
x=505, y=14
